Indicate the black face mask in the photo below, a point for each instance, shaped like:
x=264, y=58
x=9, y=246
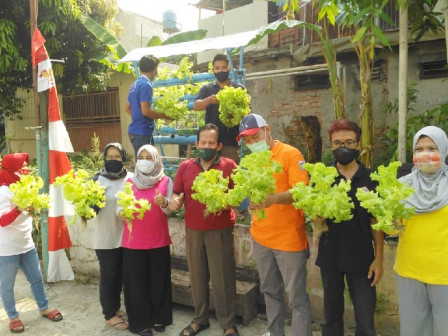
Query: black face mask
x=344, y=155
x=113, y=166
x=222, y=76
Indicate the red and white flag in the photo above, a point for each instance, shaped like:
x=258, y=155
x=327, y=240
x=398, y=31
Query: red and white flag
x=59, y=143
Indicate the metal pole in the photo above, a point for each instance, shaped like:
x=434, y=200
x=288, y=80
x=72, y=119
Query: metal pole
x=44, y=172
x=41, y=114
x=402, y=84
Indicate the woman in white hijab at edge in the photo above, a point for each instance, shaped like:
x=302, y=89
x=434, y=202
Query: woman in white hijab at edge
x=422, y=254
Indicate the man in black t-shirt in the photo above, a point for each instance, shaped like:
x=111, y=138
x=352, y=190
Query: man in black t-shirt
x=206, y=99
x=351, y=251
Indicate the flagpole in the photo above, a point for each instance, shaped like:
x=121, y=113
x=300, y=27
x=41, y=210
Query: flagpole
x=42, y=149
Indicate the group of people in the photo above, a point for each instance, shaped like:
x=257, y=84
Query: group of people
x=135, y=256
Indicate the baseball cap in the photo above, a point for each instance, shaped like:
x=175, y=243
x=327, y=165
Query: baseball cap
x=251, y=124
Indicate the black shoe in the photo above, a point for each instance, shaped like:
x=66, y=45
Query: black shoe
x=159, y=327
x=145, y=332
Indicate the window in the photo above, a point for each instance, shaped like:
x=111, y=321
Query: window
x=311, y=81
x=435, y=69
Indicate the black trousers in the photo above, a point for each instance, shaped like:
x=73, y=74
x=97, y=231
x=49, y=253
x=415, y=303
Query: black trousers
x=362, y=295
x=147, y=287
x=111, y=280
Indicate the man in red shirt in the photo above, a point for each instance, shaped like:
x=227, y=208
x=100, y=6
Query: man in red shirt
x=209, y=239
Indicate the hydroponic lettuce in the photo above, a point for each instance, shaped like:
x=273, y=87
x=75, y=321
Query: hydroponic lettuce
x=131, y=207
x=211, y=189
x=26, y=193
x=167, y=101
x=254, y=178
x=83, y=192
x=233, y=105
x=322, y=197
x=386, y=204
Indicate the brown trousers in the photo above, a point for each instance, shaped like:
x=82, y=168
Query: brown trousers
x=210, y=256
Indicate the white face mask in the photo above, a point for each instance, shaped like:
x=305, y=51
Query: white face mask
x=145, y=166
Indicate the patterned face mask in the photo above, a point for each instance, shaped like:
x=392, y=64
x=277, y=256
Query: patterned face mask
x=428, y=162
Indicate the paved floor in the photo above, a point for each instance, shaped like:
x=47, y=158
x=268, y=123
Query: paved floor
x=80, y=306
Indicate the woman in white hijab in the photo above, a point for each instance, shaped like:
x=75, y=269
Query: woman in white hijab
x=146, y=249
x=422, y=254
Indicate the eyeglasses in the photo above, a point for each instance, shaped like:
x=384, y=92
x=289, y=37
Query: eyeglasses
x=347, y=143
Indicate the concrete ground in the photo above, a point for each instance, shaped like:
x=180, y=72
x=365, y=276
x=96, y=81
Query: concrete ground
x=78, y=302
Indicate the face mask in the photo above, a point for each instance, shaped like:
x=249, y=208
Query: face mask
x=207, y=154
x=428, y=162
x=113, y=166
x=222, y=76
x=145, y=166
x=344, y=155
x=259, y=146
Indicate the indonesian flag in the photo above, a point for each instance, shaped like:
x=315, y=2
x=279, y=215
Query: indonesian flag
x=59, y=143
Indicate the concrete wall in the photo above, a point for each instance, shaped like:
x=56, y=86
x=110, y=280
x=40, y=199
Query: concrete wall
x=237, y=20
x=18, y=137
x=137, y=29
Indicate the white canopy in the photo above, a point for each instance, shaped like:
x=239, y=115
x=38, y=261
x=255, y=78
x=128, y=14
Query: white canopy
x=191, y=47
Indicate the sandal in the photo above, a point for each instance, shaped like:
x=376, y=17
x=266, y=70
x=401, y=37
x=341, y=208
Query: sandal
x=55, y=315
x=16, y=326
x=145, y=332
x=119, y=325
x=121, y=314
x=159, y=327
x=191, y=331
x=234, y=333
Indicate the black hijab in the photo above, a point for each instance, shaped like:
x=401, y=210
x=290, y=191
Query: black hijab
x=122, y=172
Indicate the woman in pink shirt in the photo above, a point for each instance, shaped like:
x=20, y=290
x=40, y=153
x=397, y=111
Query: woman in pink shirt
x=146, y=249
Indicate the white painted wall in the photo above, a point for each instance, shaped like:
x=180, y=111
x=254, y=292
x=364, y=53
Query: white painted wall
x=137, y=29
x=234, y=21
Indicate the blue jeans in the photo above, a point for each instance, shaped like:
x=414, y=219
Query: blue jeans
x=29, y=263
x=140, y=140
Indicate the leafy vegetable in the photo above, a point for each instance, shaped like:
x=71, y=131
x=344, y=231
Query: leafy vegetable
x=233, y=105
x=322, y=197
x=211, y=190
x=254, y=178
x=167, y=101
x=26, y=193
x=83, y=192
x=386, y=204
x=132, y=207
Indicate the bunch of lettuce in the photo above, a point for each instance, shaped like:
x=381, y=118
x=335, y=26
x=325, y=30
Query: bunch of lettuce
x=83, y=192
x=167, y=101
x=132, y=207
x=211, y=189
x=233, y=105
x=26, y=193
x=386, y=204
x=322, y=197
x=253, y=178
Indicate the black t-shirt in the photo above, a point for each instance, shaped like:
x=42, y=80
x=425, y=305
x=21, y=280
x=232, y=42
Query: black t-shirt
x=348, y=246
x=228, y=134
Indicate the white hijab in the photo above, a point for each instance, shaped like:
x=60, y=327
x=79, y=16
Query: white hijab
x=431, y=190
x=145, y=181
